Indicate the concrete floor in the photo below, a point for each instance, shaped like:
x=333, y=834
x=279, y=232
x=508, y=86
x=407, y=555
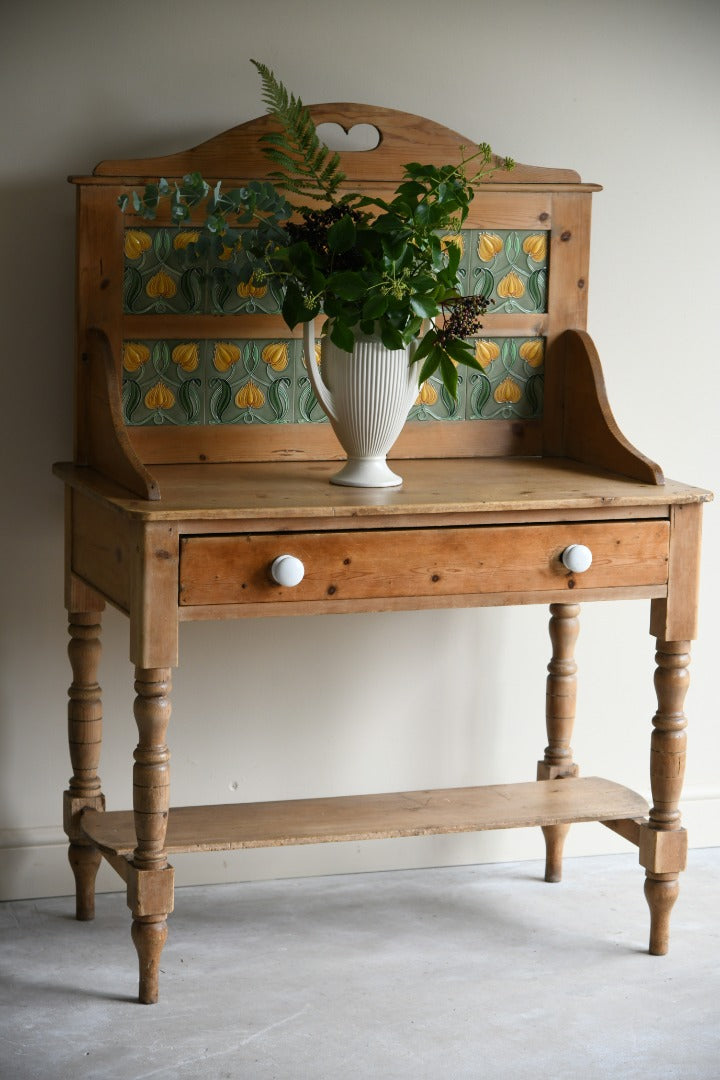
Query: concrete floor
x=477, y=972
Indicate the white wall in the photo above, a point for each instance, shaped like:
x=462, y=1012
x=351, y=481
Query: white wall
x=626, y=92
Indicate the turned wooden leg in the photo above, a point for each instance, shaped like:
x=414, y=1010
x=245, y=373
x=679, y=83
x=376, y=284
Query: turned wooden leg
x=560, y=701
x=85, y=740
x=663, y=842
x=150, y=886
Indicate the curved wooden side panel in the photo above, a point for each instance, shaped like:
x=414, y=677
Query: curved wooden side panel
x=581, y=423
x=238, y=153
x=108, y=448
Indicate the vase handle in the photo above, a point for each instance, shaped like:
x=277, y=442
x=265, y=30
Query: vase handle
x=322, y=393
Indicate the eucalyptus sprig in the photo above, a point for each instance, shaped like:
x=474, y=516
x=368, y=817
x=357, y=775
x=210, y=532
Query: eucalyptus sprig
x=372, y=266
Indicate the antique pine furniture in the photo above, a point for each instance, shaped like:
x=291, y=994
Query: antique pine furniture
x=200, y=459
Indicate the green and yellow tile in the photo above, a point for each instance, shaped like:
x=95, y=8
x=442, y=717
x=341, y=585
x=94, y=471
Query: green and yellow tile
x=158, y=276
x=510, y=266
x=510, y=385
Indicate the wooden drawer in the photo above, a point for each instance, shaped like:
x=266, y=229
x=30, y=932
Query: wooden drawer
x=472, y=560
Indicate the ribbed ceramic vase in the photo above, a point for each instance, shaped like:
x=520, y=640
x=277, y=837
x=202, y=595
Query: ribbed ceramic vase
x=366, y=395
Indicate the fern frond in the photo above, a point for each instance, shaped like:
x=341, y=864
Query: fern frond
x=297, y=148
x=288, y=163
x=331, y=168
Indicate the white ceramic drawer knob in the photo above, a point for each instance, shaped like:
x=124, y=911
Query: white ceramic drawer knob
x=577, y=558
x=287, y=570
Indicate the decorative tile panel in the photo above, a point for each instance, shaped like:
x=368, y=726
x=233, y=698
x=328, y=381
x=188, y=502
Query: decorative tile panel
x=248, y=381
x=510, y=386
x=158, y=278
x=508, y=265
x=161, y=278
x=217, y=382
x=225, y=296
x=162, y=382
x=253, y=382
x=434, y=403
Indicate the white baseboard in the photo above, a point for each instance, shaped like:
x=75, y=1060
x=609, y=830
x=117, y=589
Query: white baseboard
x=33, y=862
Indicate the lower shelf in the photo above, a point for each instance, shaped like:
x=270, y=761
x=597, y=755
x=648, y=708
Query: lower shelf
x=374, y=817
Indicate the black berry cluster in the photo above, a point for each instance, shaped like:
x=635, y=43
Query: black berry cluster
x=464, y=318
x=313, y=229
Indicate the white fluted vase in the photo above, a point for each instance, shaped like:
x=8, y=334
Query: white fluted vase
x=366, y=395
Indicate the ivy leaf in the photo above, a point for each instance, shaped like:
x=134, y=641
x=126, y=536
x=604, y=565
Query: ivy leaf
x=294, y=308
x=461, y=351
x=342, y=336
x=424, y=306
x=449, y=374
x=422, y=215
x=347, y=285
x=391, y=338
x=453, y=257
x=395, y=248
x=341, y=235
x=389, y=223
x=426, y=345
x=375, y=306
x=410, y=188
x=412, y=330
x=301, y=258
x=432, y=363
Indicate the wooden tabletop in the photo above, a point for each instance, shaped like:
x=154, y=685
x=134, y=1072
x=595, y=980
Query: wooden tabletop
x=284, y=490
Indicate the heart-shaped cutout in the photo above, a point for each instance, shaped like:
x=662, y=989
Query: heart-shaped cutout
x=359, y=137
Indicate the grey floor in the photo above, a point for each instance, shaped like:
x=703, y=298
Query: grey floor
x=478, y=972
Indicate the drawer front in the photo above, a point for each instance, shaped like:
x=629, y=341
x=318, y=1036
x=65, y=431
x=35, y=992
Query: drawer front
x=421, y=562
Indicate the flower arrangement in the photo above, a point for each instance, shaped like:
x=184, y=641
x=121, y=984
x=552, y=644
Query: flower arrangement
x=370, y=265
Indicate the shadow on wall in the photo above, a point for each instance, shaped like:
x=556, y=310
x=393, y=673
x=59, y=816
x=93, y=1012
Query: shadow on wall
x=303, y=707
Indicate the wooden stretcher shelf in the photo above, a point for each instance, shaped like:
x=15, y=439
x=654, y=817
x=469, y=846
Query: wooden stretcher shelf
x=374, y=817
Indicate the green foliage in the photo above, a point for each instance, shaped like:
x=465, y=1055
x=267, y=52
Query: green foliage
x=369, y=265
x=307, y=167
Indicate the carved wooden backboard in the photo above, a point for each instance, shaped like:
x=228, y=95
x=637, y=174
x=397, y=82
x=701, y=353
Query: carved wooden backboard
x=206, y=370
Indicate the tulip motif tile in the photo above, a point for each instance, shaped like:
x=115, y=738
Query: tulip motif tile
x=188, y=381
x=158, y=279
x=510, y=266
x=217, y=382
x=510, y=385
x=192, y=381
x=161, y=277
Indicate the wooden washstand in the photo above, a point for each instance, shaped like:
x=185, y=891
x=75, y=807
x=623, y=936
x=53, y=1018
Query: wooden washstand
x=177, y=507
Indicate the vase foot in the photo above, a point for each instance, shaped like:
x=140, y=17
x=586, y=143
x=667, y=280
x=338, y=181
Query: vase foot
x=366, y=472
